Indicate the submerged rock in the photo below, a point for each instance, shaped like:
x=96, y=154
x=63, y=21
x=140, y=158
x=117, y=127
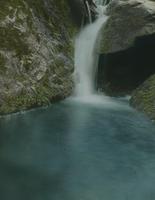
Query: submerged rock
x=36, y=53
x=143, y=98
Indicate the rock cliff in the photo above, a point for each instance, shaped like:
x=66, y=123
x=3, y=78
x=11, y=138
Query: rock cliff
x=36, y=53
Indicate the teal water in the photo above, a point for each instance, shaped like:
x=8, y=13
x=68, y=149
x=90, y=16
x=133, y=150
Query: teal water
x=77, y=151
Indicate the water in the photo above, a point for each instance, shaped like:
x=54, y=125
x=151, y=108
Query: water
x=90, y=147
x=78, y=151
x=86, y=58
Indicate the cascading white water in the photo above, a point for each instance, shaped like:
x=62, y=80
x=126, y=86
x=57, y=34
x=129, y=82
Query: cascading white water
x=86, y=58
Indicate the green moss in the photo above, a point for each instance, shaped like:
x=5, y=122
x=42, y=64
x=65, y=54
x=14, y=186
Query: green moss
x=13, y=42
x=143, y=98
x=2, y=64
x=42, y=97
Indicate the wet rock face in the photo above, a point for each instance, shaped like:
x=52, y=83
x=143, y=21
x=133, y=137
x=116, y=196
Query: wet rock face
x=143, y=98
x=127, y=46
x=36, y=53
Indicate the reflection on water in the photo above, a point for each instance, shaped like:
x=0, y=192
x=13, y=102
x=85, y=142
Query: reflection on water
x=77, y=151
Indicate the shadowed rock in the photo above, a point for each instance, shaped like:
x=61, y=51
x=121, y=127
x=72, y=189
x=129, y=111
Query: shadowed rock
x=126, y=47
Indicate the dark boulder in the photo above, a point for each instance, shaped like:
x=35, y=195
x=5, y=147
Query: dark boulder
x=127, y=43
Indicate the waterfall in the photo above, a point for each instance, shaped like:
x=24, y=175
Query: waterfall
x=86, y=59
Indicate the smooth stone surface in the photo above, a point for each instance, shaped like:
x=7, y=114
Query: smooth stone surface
x=128, y=19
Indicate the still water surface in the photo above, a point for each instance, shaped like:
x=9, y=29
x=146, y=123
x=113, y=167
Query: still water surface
x=77, y=151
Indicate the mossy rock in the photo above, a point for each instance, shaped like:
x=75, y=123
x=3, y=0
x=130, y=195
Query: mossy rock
x=143, y=98
x=36, y=53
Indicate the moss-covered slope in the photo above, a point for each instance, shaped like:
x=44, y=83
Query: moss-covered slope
x=143, y=98
x=36, y=52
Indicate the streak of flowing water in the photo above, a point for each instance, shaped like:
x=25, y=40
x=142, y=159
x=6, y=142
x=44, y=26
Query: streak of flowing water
x=86, y=58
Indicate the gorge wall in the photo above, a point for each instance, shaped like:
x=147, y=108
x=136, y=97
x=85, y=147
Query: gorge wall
x=36, y=53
